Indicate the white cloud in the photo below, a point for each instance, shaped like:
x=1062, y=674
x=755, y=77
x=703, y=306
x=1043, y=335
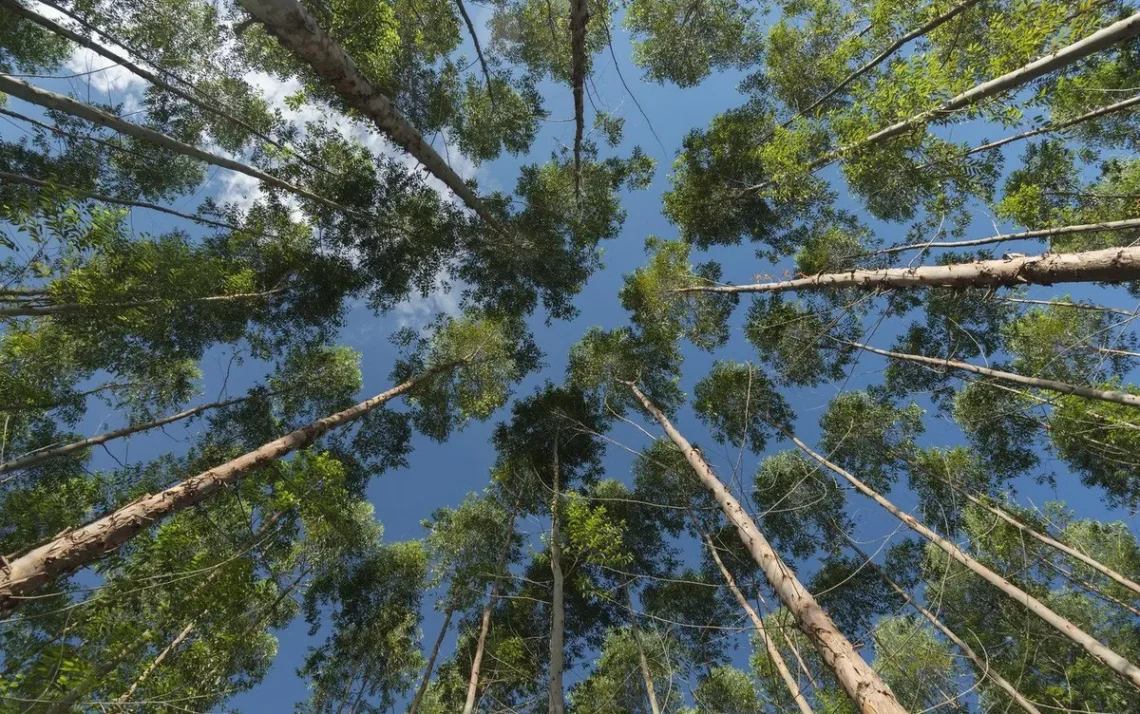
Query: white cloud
x=418, y=310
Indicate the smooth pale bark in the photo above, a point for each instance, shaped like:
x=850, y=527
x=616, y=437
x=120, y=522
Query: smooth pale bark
x=895, y=46
x=69, y=134
x=642, y=662
x=72, y=308
x=758, y=623
x=1110, y=351
x=1106, y=656
x=212, y=106
x=557, y=606
x=300, y=32
x=1092, y=588
x=579, y=15
x=983, y=667
x=866, y=688
x=1105, y=227
x=1052, y=542
x=155, y=664
x=485, y=625
x=40, y=456
x=1109, y=265
x=1087, y=116
x=1103, y=395
x=415, y=705
x=103, y=198
x=50, y=100
x=86, y=544
x=478, y=52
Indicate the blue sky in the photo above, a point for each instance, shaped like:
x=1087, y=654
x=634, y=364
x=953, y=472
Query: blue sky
x=441, y=474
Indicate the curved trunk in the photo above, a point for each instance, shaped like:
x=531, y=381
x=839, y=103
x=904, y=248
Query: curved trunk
x=557, y=607
x=1108, y=657
x=415, y=705
x=76, y=548
x=866, y=688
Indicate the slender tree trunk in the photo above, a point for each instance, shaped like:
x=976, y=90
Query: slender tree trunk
x=557, y=607
x=1049, y=128
x=485, y=625
x=1085, y=585
x=415, y=705
x=1104, y=227
x=50, y=100
x=478, y=51
x=149, y=669
x=108, y=387
x=299, y=31
x=73, y=308
x=86, y=544
x=1103, y=395
x=1073, y=305
x=1102, y=653
x=1111, y=265
x=107, y=665
x=579, y=15
x=758, y=623
x=866, y=688
x=983, y=667
x=878, y=59
x=643, y=663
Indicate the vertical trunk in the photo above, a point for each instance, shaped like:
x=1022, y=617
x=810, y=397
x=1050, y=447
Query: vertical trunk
x=983, y=667
x=1108, y=657
x=485, y=626
x=431, y=661
x=761, y=630
x=178, y=639
x=76, y=548
x=579, y=15
x=557, y=607
x=643, y=663
x=866, y=688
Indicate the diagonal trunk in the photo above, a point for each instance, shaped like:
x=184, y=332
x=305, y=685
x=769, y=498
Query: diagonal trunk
x=1104, y=395
x=155, y=664
x=73, y=308
x=1108, y=657
x=642, y=662
x=984, y=669
x=88, y=543
x=415, y=705
x=579, y=15
x=1084, y=584
x=557, y=606
x=866, y=688
x=1107, y=226
x=1073, y=305
x=50, y=100
x=1049, y=128
x=478, y=52
x=299, y=31
x=1110, y=265
x=761, y=630
x=485, y=625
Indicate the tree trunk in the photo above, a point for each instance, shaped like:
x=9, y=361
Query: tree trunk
x=557, y=607
x=643, y=663
x=579, y=15
x=485, y=625
x=126, y=696
x=1103, y=395
x=72, y=308
x=1049, y=128
x=866, y=688
x=50, y=100
x=299, y=31
x=885, y=54
x=1110, y=265
x=983, y=667
x=88, y=543
x=769, y=645
x=1085, y=585
x=1104, y=227
x=415, y=705
x=478, y=52
x=1073, y=305
x=1091, y=645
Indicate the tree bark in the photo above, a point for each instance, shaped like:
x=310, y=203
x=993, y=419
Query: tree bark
x=1105, y=227
x=1103, y=395
x=579, y=15
x=299, y=31
x=866, y=688
x=758, y=623
x=485, y=625
x=557, y=607
x=642, y=662
x=155, y=664
x=50, y=100
x=983, y=667
x=1110, y=265
x=415, y=705
x=72, y=308
x=1108, y=657
x=88, y=543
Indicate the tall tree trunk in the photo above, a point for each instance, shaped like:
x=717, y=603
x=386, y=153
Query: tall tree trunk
x=557, y=606
x=86, y=544
x=415, y=705
x=149, y=669
x=1110, y=265
x=984, y=669
x=485, y=625
x=478, y=52
x=1103, y=395
x=642, y=661
x=866, y=688
x=1108, y=657
x=50, y=100
x=878, y=59
x=72, y=308
x=1049, y=128
x=1105, y=227
x=579, y=15
x=758, y=623
x=1085, y=585
x=299, y=31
